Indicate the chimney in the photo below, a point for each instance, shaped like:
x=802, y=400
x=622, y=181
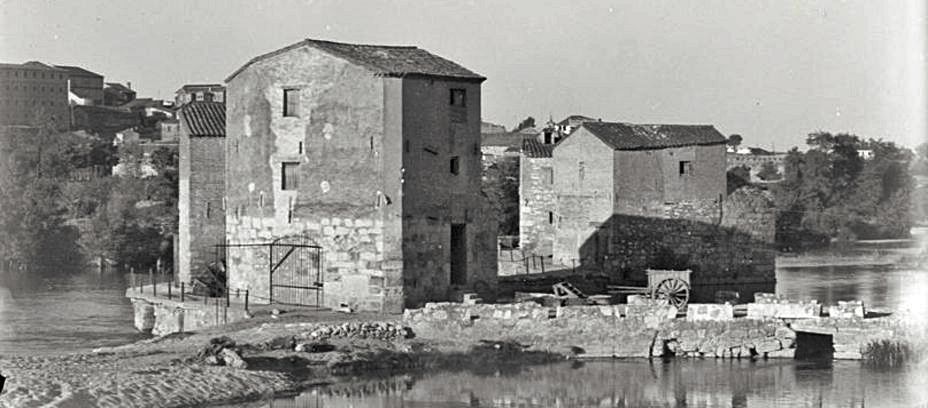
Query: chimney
x=129, y=85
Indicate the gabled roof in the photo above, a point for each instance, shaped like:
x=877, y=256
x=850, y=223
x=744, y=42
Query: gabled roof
x=189, y=87
x=382, y=60
x=31, y=65
x=531, y=147
x=204, y=119
x=575, y=118
x=627, y=136
x=78, y=71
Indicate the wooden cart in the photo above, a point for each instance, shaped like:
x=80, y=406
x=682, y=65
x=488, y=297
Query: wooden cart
x=668, y=285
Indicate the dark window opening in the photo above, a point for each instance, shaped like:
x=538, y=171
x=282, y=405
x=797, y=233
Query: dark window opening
x=550, y=217
x=292, y=103
x=300, y=148
x=686, y=167
x=455, y=165
x=458, y=104
x=458, y=254
x=458, y=97
x=289, y=178
x=549, y=138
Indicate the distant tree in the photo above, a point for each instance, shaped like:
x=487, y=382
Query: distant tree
x=769, y=172
x=738, y=177
x=35, y=164
x=501, y=185
x=734, y=140
x=526, y=123
x=829, y=193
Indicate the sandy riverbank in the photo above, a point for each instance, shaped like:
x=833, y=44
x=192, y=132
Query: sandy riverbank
x=165, y=371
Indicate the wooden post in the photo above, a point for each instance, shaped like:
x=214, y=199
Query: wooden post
x=169, y=289
x=227, y=297
x=237, y=293
x=182, y=292
x=246, y=300
x=542, y=265
x=154, y=287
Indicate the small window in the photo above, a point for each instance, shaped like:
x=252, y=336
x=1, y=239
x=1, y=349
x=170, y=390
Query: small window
x=458, y=102
x=299, y=149
x=458, y=97
x=581, y=172
x=548, y=175
x=550, y=217
x=292, y=103
x=455, y=165
x=199, y=96
x=289, y=178
x=686, y=168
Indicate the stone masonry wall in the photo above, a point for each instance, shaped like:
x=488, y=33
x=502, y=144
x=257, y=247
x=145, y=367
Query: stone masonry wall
x=200, y=200
x=604, y=331
x=336, y=140
x=537, y=205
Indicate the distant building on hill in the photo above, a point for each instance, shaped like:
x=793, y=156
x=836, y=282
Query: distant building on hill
x=487, y=127
x=199, y=93
x=33, y=91
x=116, y=94
x=85, y=86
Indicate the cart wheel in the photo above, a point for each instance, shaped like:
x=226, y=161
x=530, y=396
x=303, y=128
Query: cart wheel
x=674, y=291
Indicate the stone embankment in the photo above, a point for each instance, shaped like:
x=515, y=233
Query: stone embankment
x=608, y=331
x=769, y=330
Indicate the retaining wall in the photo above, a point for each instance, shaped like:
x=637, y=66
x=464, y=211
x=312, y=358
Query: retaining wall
x=604, y=331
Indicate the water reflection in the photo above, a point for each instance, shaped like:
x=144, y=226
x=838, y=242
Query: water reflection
x=690, y=383
x=883, y=287
x=64, y=314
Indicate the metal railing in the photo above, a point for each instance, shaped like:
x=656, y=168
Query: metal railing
x=165, y=286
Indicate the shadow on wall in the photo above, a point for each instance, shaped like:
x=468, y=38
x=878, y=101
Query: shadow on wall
x=721, y=258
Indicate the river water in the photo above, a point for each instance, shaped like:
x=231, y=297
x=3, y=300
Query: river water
x=81, y=312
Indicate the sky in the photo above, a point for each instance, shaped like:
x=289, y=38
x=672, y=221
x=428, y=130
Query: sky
x=772, y=71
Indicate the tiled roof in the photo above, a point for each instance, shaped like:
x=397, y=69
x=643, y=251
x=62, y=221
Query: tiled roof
x=204, y=118
x=197, y=86
x=78, y=71
x=384, y=60
x=501, y=139
x=627, y=136
x=531, y=147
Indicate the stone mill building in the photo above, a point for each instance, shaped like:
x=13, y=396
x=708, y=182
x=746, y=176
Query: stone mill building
x=369, y=153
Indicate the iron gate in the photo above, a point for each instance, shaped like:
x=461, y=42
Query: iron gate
x=294, y=268
x=296, y=272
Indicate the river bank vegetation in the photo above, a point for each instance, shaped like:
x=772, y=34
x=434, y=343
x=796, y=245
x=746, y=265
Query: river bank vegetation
x=61, y=208
x=841, y=189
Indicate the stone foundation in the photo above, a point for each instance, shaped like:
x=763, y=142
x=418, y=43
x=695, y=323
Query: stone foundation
x=161, y=316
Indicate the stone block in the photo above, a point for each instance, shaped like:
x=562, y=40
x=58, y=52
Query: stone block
x=764, y=298
x=784, y=310
x=144, y=315
x=853, y=309
x=784, y=353
x=767, y=346
x=709, y=312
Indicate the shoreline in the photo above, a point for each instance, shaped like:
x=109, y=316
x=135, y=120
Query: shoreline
x=167, y=371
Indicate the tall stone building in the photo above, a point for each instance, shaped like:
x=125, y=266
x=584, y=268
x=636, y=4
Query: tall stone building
x=620, y=198
x=373, y=154
x=537, y=200
x=201, y=224
x=33, y=91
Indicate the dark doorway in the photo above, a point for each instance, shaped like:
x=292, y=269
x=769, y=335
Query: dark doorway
x=458, y=254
